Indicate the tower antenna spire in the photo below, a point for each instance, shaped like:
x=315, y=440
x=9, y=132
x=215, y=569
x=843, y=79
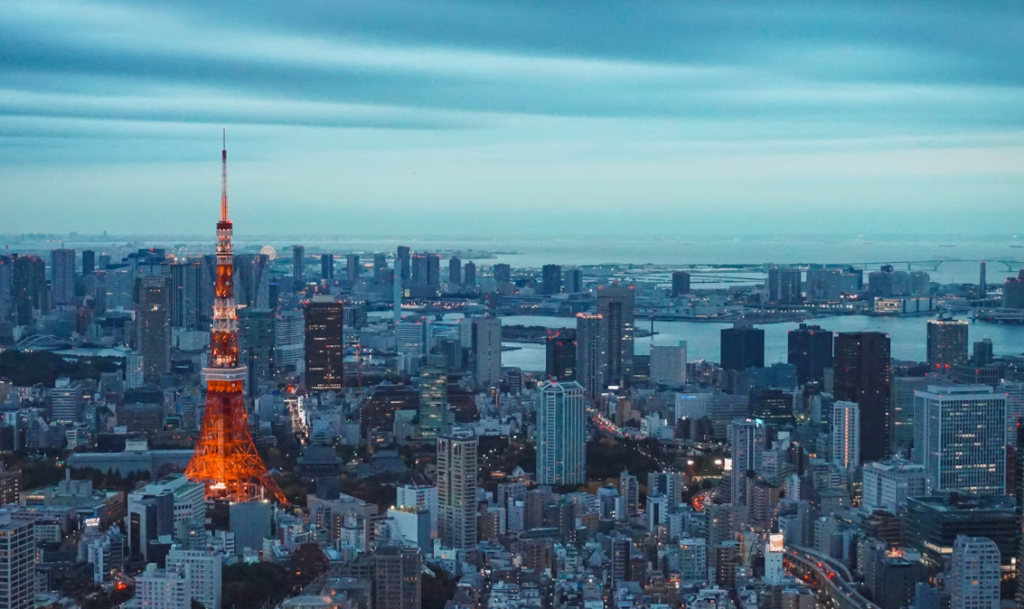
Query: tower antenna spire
x=224, y=178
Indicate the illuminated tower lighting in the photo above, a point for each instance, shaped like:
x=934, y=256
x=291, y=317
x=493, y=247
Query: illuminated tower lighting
x=225, y=458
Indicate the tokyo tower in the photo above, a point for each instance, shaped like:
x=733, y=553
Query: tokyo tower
x=225, y=458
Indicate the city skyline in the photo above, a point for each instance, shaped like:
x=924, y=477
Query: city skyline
x=747, y=119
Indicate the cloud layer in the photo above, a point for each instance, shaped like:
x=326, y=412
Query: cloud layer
x=491, y=109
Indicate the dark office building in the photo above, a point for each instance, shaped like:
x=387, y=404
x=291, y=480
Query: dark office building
x=561, y=355
x=680, y=283
x=469, y=274
x=29, y=287
x=863, y=375
x=616, y=306
x=327, y=266
x=502, y=273
x=784, y=285
x=931, y=524
x=153, y=326
x=455, y=271
x=742, y=347
x=551, y=279
x=810, y=350
x=325, y=344
x=88, y=261
x=426, y=274
x=774, y=406
x=404, y=262
x=573, y=281
x=353, y=269
x=256, y=344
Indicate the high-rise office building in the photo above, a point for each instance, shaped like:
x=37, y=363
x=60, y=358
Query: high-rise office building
x=668, y=364
x=186, y=294
x=502, y=273
x=573, y=281
x=411, y=335
x=298, y=266
x=456, y=488
x=10, y=485
x=810, y=350
x=65, y=400
x=7, y=308
x=256, y=344
x=974, y=574
x=18, y=563
x=454, y=272
x=28, y=284
x=551, y=279
x=469, y=275
x=629, y=489
x=615, y=305
x=680, y=283
x=748, y=445
x=846, y=435
x=435, y=414
x=289, y=341
x=396, y=577
x=62, y=286
x=88, y=262
x=784, y=285
x=947, y=343
x=486, y=350
x=326, y=266
x=353, y=269
x=888, y=484
x=561, y=434
x=863, y=375
x=905, y=433
x=153, y=326
x=560, y=355
x=742, y=347
x=169, y=588
x=591, y=354
x=380, y=267
x=325, y=344
x=404, y=264
x=252, y=280
x=963, y=438
x=982, y=354
x=982, y=280
x=1013, y=292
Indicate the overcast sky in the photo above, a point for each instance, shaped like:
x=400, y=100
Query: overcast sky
x=494, y=117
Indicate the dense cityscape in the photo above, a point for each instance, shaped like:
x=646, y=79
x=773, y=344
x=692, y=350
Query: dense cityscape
x=326, y=430
x=505, y=304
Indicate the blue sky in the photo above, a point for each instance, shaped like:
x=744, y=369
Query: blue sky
x=494, y=117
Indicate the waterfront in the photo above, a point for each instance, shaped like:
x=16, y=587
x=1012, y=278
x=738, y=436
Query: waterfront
x=909, y=337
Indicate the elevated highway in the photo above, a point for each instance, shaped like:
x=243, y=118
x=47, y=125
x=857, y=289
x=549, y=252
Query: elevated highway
x=830, y=578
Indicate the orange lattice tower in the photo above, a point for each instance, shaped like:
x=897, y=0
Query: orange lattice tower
x=225, y=457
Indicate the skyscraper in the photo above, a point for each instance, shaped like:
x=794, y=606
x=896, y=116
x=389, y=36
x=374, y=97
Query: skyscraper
x=326, y=266
x=403, y=264
x=963, y=438
x=863, y=374
x=18, y=566
x=185, y=295
x=784, y=285
x=810, y=350
x=353, y=269
x=560, y=355
x=974, y=574
x=748, y=445
x=486, y=350
x=561, y=434
x=615, y=305
x=455, y=272
x=28, y=283
x=502, y=273
x=680, y=283
x=469, y=275
x=380, y=267
x=573, y=281
x=947, y=343
x=298, y=266
x=62, y=288
x=88, y=262
x=434, y=413
x=7, y=308
x=591, y=354
x=668, y=364
x=153, y=326
x=456, y=488
x=742, y=347
x=252, y=280
x=982, y=281
x=325, y=343
x=204, y=574
x=551, y=279
x=845, y=423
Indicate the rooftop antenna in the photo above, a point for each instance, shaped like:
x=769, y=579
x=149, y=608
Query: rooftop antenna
x=224, y=178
